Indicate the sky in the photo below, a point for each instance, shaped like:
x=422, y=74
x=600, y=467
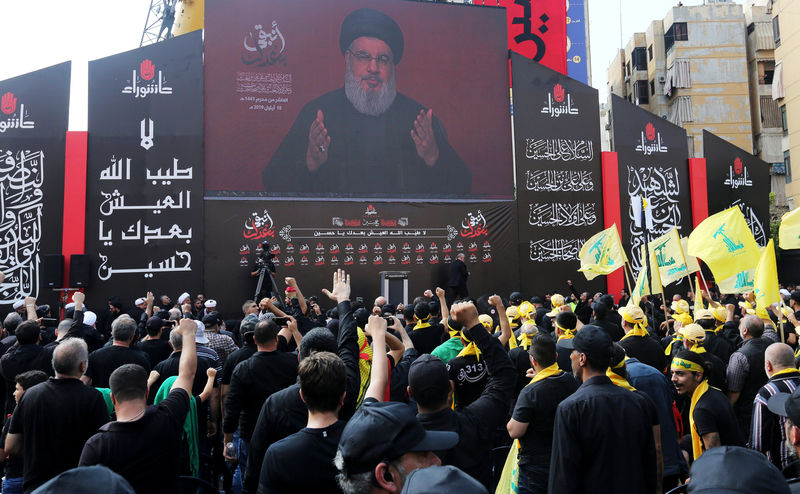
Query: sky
x=42, y=33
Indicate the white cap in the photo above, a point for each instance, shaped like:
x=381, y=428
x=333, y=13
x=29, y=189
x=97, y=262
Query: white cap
x=200, y=336
x=210, y=303
x=69, y=306
x=18, y=304
x=139, y=300
x=183, y=297
x=785, y=292
x=89, y=318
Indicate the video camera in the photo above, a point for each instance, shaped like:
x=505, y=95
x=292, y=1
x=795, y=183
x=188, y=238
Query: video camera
x=266, y=258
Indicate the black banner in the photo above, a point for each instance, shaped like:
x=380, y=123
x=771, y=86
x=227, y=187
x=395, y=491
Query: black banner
x=559, y=181
x=144, y=210
x=735, y=177
x=34, y=114
x=653, y=164
x=311, y=240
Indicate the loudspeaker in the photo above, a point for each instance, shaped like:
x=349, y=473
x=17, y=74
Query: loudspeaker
x=52, y=270
x=78, y=271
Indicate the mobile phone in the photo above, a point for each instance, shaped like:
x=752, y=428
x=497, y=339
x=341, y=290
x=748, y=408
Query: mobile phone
x=281, y=321
x=49, y=322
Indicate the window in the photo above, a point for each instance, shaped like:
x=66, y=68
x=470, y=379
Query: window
x=628, y=68
x=638, y=57
x=650, y=52
x=787, y=163
x=784, y=123
x=640, y=92
x=776, y=31
x=676, y=32
x=652, y=87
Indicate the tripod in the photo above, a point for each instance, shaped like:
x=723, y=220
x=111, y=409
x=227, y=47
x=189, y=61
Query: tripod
x=262, y=271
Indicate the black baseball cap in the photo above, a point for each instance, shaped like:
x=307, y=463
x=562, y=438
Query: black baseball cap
x=593, y=341
x=754, y=473
x=212, y=319
x=515, y=298
x=786, y=405
x=436, y=479
x=428, y=375
x=385, y=431
x=155, y=322
x=537, y=300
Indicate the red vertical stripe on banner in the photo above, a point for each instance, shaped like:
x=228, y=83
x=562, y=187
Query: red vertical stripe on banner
x=612, y=214
x=699, y=188
x=74, y=226
x=537, y=29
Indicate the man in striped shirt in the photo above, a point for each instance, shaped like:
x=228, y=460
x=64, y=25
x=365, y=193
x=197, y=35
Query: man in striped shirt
x=767, y=433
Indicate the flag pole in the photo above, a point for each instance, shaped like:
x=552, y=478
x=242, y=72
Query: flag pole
x=780, y=319
x=630, y=287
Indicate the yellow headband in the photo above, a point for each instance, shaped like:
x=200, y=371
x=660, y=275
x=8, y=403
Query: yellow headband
x=679, y=364
x=565, y=330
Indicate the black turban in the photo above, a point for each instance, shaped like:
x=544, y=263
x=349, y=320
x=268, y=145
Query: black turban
x=372, y=24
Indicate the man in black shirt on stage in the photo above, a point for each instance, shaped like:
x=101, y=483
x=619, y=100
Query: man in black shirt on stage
x=711, y=419
x=602, y=440
x=432, y=389
x=535, y=413
x=144, y=443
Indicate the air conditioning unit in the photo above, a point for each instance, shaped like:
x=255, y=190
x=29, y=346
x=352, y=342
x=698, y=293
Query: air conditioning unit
x=662, y=79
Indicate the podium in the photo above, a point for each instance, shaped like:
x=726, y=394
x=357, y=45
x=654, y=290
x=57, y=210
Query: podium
x=394, y=286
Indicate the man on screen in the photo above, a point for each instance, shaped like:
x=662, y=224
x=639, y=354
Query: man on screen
x=366, y=137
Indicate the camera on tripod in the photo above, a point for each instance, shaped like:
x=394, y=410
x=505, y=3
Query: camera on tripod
x=266, y=258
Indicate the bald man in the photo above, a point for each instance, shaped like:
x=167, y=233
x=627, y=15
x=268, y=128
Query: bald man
x=767, y=433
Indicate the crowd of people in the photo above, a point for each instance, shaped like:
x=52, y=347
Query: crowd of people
x=558, y=393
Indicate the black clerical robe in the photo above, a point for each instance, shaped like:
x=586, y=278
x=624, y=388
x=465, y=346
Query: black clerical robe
x=367, y=155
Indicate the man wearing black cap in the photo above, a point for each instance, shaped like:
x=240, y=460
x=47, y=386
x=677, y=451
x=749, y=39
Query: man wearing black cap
x=366, y=137
x=382, y=444
x=432, y=389
x=156, y=348
x=602, y=440
x=220, y=343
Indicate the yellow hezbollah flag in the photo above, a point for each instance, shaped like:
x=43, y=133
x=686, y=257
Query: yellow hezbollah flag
x=691, y=262
x=698, y=295
x=789, y=231
x=602, y=254
x=642, y=287
x=509, y=477
x=725, y=243
x=669, y=256
x=739, y=283
x=766, y=282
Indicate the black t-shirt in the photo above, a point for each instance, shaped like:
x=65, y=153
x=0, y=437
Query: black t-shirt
x=104, y=361
x=13, y=463
x=470, y=376
x=240, y=355
x=646, y=350
x=170, y=367
x=55, y=419
x=714, y=413
x=537, y=406
x=522, y=362
x=156, y=350
x=426, y=339
x=562, y=357
x=302, y=462
x=145, y=451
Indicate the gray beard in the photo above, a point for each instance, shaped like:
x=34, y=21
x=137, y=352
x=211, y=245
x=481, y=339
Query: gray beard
x=372, y=103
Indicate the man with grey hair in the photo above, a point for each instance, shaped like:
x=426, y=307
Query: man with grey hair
x=746, y=372
x=365, y=136
x=54, y=419
x=104, y=361
x=768, y=434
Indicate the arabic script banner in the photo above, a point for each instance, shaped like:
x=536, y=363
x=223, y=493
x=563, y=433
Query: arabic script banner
x=274, y=69
x=363, y=238
x=654, y=166
x=557, y=136
x=144, y=208
x=34, y=114
x=737, y=178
